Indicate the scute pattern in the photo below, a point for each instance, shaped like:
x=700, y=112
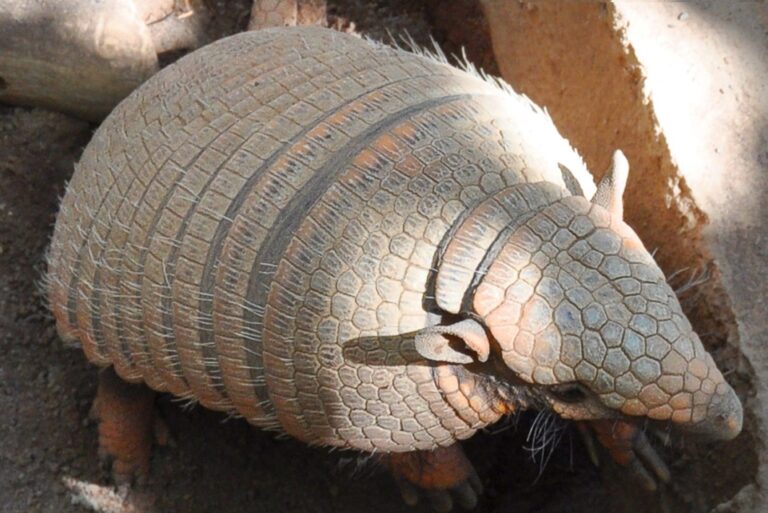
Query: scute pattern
x=256, y=228
x=373, y=292
x=275, y=224
x=577, y=298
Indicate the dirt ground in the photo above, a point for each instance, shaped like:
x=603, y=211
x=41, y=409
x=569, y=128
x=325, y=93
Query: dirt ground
x=48, y=444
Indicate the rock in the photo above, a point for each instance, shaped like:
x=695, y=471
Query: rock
x=82, y=57
x=79, y=57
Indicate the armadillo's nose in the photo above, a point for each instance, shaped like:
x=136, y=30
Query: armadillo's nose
x=724, y=417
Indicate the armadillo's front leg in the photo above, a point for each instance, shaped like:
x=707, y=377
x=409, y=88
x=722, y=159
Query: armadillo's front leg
x=443, y=474
x=629, y=447
x=125, y=414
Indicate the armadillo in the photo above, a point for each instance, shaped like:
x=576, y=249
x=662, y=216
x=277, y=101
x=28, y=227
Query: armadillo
x=368, y=248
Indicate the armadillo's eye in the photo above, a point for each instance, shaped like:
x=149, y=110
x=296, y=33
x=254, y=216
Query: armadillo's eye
x=568, y=393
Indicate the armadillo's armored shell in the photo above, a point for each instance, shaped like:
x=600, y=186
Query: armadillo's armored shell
x=257, y=225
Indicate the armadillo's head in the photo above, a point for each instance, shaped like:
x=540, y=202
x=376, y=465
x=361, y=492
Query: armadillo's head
x=580, y=311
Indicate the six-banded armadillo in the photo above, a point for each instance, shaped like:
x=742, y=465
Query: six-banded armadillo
x=369, y=249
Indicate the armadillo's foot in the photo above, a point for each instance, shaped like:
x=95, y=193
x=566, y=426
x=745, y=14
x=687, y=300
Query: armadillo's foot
x=126, y=418
x=629, y=447
x=444, y=475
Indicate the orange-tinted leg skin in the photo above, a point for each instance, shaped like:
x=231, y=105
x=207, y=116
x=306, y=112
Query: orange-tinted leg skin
x=629, y=447
x=617, y=437
x=125, y=415
x=440, y=469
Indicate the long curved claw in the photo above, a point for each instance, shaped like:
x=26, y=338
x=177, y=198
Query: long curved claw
x=440, y=500
x=588, y=438
x=445, y=476
x=466, y=495
x=651, y=458
x=629, y=447
x=641, y=475
x=408, y=492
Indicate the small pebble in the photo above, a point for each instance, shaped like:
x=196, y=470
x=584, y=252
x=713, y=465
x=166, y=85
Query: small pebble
x=682, y=16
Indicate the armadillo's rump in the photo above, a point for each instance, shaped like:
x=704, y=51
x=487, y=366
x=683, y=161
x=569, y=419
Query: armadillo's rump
x=258, y=225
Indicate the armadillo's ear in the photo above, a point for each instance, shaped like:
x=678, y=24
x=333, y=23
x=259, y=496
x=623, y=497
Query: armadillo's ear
x=444, y=343
x=611, y=187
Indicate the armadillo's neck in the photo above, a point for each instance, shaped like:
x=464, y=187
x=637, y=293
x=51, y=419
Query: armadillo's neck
x=479, y=234
x=469, y=248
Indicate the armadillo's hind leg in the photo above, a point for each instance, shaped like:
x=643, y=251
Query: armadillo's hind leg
x=126, y=419
x=444, y=475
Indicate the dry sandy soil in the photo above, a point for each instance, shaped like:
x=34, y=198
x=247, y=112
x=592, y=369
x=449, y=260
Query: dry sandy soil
x=46, y=439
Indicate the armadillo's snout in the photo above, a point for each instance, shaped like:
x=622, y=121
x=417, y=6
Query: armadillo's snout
x=724, y=418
